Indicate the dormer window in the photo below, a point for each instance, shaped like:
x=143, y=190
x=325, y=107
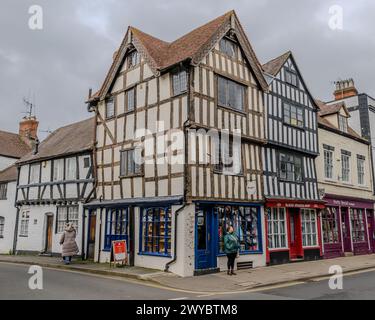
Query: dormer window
x=343, y=123
x=291, y=77
x=133, y=59
x=227, y=47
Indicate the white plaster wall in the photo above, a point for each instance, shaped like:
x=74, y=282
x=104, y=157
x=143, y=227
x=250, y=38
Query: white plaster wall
x=8, y=211
x=36, y=239
x=6, y=162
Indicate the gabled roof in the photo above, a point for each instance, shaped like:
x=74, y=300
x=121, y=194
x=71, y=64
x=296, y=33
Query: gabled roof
x=12, y=145
x=161, y=55
x=273, y=66
x=71, y=139
x=9, y=174
x=328, y=109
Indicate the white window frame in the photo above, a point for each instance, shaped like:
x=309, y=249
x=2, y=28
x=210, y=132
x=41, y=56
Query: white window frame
x=71, y=168
x=58, y=170
x=67, y=214
x=24, y=223
x=272, y=235
x=361, y=171
x=343, y=123
x=345, y=170
x=34, y=173
x=313, y=234
x=328, y=165
x=3, y=191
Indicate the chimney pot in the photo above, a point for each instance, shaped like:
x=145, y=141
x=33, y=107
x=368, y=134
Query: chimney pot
x=28, y=129
x=345, y=89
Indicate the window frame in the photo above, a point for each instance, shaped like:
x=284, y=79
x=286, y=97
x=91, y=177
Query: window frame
x=343, y=123
x=287, y=114
x=3, y=190
x=61, y=223
x=358, y=226
x=134, y=100
x=168, y=226
x=131, y=63
x=328, y=166
x=227, y=82
x=345, y=170
x=291, y=73
x=112, y=226
x=24, y=223
x=361, y=170
x=125, y=167
x=71, y=170
x=34, y=168
x=181, y=86
x=271, y=234
x=110, y=101
x=223, y=223
x=221, y=168
x=290, y=164
x=58, y=173
x=330, y=226
x=223, y=47
x=312, y=232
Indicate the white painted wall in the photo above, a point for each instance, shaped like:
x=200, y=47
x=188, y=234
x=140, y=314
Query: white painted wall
x=8, y=211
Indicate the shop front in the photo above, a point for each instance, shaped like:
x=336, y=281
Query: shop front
x=293, y=231
x=211, y=223
x=347, y=226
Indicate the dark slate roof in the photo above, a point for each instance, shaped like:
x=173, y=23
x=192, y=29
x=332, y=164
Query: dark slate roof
x=73, y=138
x=9, y=174
x=273, y=66
x=12, y=145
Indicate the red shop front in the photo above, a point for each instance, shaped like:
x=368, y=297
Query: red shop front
x=293, y=231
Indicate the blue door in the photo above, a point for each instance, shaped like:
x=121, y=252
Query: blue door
x=205, y=249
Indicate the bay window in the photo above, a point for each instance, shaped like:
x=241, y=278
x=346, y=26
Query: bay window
x=156, y=229
x=246, y=224
x=309, y=228
x=276, y=223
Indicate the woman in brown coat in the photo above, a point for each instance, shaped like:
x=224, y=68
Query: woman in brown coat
x=68, y=242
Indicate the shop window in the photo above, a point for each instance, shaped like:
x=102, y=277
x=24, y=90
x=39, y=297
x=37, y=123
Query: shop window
x=358, y=225
x=117, y=226
x=24, y=224
x=246, y=224
x=309, y=228
x=156, y=225
x=276, y=228
x=330, y=226
x=66, y=214
x=2, y=222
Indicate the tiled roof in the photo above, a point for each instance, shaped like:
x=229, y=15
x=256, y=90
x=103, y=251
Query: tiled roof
x=12, y=145
x=327, y=109
x=73, y=138
x=9, y=174
x=163, y=55
x=273, y=66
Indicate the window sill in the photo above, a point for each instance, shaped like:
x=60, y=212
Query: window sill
x=294, y=126
x=132, y=176
x=154, y=254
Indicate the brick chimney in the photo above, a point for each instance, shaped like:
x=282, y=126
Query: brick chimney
x=345, y=89
x=28, y=130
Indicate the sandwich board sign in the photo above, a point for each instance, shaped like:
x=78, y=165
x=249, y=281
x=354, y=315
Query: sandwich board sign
x=119, y=252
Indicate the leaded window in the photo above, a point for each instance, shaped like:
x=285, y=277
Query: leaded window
x=227, y=47
x=130, y=99
x=246, y=224
x=156, y=228
x=291, y=77
x=276, y=226
x=293, y=115
x=179, y=81
x=309, y=228
x=130, y=163
x=134, y=58
x=231, y=94
x=290, y=167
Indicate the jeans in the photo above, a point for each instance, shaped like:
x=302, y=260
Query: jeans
x=67, y=259
x=231, y=259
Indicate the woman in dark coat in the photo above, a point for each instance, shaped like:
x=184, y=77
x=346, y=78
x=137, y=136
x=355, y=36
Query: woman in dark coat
x=69, y=244
x=231, y=246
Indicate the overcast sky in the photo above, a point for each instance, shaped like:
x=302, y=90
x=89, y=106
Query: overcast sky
x=56, y=66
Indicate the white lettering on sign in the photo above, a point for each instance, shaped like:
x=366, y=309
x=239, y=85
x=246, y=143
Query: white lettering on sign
x=336, y=281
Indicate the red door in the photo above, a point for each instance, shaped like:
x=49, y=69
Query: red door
x=295, y=234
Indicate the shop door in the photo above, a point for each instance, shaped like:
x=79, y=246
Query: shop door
x=205, y=253
x=295, y=234
x=371, y=228
x=49, y=234
x=92, y=234
x=346, y=237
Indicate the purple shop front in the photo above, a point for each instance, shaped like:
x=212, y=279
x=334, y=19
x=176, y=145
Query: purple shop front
x=347, y=226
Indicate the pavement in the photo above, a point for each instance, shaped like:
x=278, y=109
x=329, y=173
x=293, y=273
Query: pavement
x=220, y=282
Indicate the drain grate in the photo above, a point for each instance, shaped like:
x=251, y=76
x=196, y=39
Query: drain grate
x=244, y=265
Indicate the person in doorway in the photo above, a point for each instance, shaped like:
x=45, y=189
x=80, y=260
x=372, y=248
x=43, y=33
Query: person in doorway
x=69, y=244
x=231, y=246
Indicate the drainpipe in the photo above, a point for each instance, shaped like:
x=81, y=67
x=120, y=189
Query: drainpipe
x=175, y=238
x=18, y=212
x=83, y=233
x=100, y=235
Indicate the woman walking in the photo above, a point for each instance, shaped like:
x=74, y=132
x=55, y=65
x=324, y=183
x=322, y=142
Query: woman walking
x=68, y=242
x=231, y=246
